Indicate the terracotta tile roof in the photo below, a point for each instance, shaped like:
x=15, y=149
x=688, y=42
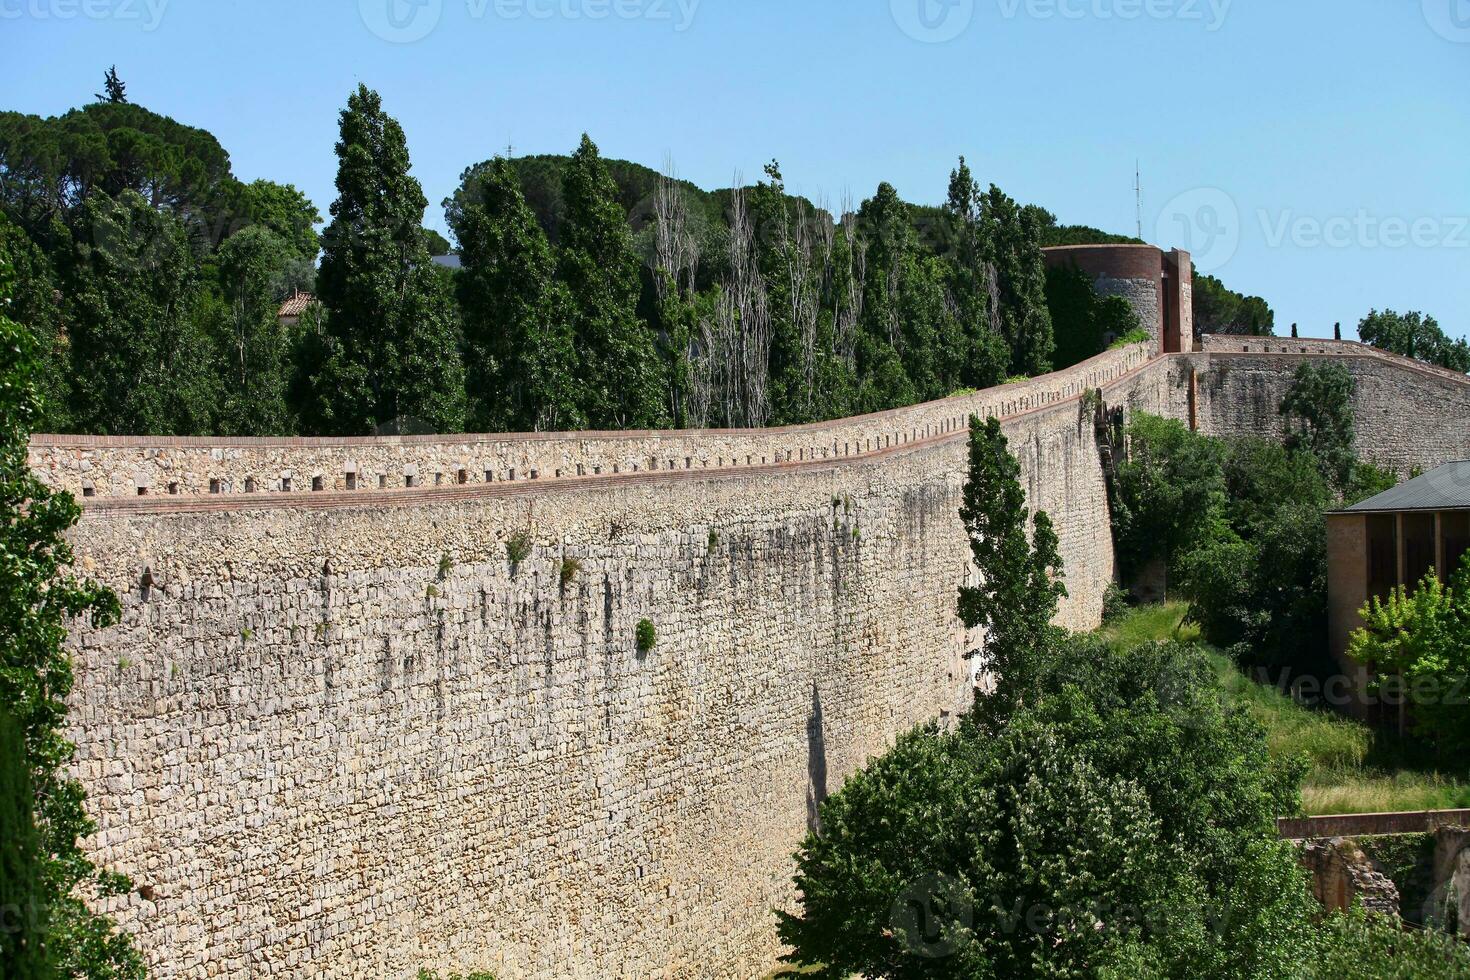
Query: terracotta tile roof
x=296, y=304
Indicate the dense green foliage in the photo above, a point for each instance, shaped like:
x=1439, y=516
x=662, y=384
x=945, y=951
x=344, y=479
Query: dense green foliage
x=22, y=926
x=1417, y=644
x=1415, y=335
x=1221, y=310
x=38, y=596
x=1102, y=812
x=1240, y=524
x=1016, y=598
x=1084, y=322
x=392, y=360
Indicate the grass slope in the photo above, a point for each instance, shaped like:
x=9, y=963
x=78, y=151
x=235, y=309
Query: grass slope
x=1355, y=769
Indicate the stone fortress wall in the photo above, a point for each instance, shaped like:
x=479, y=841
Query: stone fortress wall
x=339, y=733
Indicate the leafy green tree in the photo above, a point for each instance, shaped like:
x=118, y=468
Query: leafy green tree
x=522, y=364
x=1415, y=335
x=1418, y=643
x=1319, y=413
x=38, y=597
x=1167, y=494
x=596, y=261
x=23, y=954
x=984, y=356
x=1020, y=580
x=1221, y=310
x=38, y=303
x=284, y=210
x=254, y=271
x=1123, y=819
x=142, y=360
x=1013, y=238
x=392, y=337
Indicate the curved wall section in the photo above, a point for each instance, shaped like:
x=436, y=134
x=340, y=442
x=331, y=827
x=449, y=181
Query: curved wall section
x=342, y=733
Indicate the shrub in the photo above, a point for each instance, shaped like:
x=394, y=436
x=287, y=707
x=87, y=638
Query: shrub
x=1115, y=603
x=518, y=547
x=647, y=636
x=570, y=569
x=1137, y=335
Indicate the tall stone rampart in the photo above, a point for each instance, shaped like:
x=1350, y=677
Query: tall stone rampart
x=340, y=733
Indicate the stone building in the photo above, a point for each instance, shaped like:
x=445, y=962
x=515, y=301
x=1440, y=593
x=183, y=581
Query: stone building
x=1159, y=285
x=1393, y=539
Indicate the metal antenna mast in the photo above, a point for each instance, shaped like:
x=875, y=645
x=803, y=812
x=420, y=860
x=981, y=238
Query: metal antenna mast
x=1138, y=195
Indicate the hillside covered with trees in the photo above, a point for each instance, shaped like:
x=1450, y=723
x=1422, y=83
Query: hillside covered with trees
x=589, y=292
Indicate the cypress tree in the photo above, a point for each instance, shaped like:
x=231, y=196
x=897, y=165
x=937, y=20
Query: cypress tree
x=522, y=363
x=1020, y=585
x=596, y=261
x=394, y=359
x=1337, y=331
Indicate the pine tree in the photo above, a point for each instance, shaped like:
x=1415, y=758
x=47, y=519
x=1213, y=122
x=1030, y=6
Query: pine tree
x=522, y=363
x=596, y=261
x=113, y=88
x=394, y=362
x=1020, y=581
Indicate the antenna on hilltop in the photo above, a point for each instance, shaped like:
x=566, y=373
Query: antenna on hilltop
x=1138, y=194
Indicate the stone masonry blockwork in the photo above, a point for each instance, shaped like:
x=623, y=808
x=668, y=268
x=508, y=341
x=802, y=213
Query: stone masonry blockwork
x=340, y=734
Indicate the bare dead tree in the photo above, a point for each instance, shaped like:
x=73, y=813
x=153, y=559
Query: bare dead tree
x=752, y=331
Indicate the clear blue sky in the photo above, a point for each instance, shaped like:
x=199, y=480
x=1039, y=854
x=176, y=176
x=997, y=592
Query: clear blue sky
x=1337, y=130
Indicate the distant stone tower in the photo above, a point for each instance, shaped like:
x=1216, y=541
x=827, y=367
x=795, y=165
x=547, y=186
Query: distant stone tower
x=1159, y=285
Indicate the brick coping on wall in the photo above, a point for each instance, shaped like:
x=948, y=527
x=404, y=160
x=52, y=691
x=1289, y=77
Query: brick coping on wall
x=1370, y=824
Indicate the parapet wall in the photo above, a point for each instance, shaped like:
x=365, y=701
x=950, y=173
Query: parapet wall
x=340, y=733
x=122, y=466
x=1408, y=414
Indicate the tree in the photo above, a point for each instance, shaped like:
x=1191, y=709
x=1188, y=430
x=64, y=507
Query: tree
x=522, y=364
x=113, y=89
x=1319, y=413
x=1121, y=823
x=1415, y=335
x=1417, y=643
x=596, y=261
x=284, y=210
x=141, y=359
x=1020, y=580
x=23, y=954
x=38, y=597
x=254, y=268
x=1084, y=323
x=985, y=358
x=394, y=358
x=1221, y=310
x=1166, y=494
x=1013, y=239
